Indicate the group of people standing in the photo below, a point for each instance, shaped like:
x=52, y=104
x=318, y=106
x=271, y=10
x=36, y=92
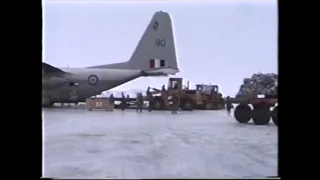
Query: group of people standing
x=140, y=102
x=124, y=100
x=150, y=99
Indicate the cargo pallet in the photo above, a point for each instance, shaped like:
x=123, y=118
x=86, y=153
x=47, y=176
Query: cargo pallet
x=261, y=112
x=98, y=103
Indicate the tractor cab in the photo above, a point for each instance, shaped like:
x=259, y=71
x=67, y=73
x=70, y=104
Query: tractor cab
x=210, y=90
x=175, y=83
x=207, y=89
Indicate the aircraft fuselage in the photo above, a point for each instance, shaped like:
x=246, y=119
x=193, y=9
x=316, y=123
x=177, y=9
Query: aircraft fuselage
x=81, y=83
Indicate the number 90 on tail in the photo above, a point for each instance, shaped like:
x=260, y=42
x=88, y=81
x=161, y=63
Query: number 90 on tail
x=160, y=42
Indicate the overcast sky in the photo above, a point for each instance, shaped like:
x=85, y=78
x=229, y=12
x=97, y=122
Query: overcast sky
x=218, y=43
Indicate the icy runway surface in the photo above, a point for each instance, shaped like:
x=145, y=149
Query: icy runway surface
x=201, y=144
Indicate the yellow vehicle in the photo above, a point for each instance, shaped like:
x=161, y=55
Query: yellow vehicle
x=203, y=97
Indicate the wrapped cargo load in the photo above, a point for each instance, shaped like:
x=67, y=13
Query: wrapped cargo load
x=259, y=84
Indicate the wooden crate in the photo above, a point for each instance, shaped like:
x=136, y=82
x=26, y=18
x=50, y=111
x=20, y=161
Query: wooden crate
x=97, y=103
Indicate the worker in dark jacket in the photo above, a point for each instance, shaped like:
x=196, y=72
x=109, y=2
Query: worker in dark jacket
x=229, y=106
x=175, y=86
x=139, y=102
x=127, y=101
x=148, y=90
x=150, y=101
x=111, y=102
x=175, y=104
x=163, y=88
x=123, y=101
x=213, y=94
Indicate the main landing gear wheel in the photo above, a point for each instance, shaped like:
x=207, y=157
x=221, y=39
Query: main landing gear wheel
x=261, y=115
x=275, y=115
x=242, y=113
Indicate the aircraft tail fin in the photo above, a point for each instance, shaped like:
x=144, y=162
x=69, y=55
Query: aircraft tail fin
x=156, y=48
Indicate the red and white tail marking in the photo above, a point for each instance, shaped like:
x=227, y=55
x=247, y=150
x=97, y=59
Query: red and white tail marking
x=157, y=63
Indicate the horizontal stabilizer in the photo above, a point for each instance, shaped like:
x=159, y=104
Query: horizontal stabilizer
x=164, y=71
x=49, y=70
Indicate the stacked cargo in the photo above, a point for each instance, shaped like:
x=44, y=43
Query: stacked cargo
x=259, y=84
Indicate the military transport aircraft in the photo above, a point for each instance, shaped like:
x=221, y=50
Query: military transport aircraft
x=154, y=55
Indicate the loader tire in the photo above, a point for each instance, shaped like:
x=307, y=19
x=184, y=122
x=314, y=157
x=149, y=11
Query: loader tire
x=261, y=115
x=274, y=115
x=187, y=104
x=220, y=106
x=209, y=106
x=243, y=113
x=157, y=104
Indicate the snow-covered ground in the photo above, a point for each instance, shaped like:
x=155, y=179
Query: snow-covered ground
x=200, y=144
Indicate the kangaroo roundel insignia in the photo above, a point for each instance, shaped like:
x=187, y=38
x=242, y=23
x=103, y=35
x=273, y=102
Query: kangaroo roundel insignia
x=155, y=25
x=93, y=79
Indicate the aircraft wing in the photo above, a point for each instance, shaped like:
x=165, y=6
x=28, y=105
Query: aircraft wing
x=49, y=70
x=163, y=71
